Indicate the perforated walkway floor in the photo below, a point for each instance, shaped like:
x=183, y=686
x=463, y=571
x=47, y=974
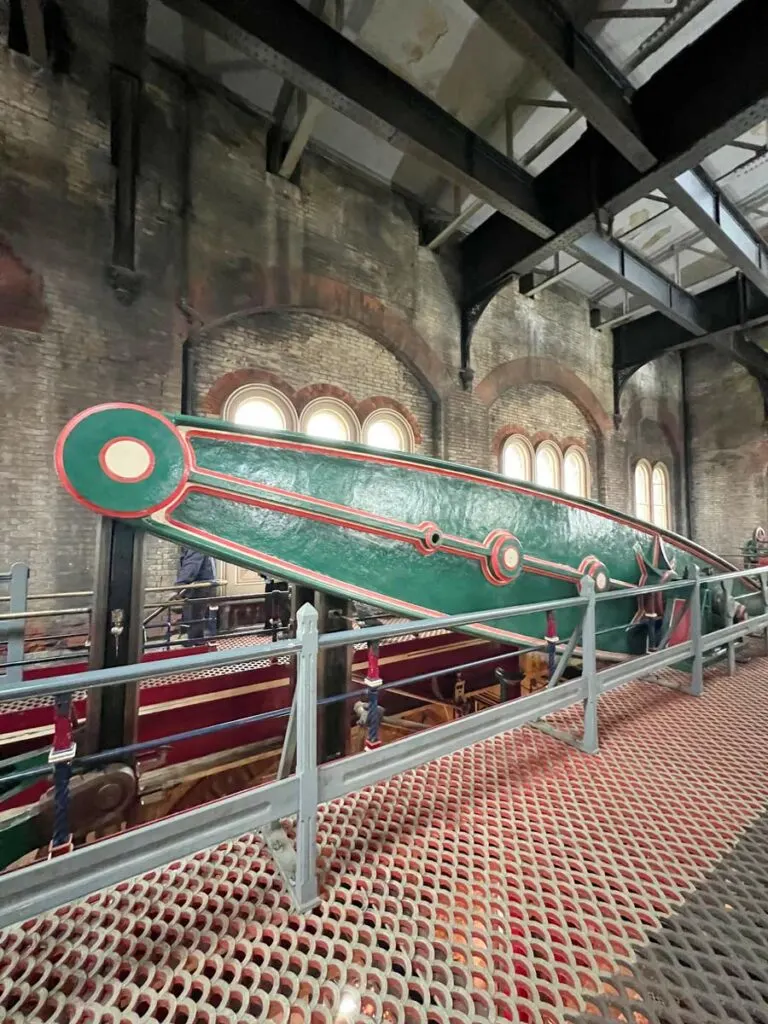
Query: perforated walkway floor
x=519, y=880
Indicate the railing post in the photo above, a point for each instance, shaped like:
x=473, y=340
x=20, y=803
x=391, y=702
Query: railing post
x=730, y=618
x=13, y=629
x=590, y=740
x=764, y=592
x=306, y=758
x=697, y=667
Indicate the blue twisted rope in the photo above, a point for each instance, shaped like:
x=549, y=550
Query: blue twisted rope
x=62, y=773
x=373, y=716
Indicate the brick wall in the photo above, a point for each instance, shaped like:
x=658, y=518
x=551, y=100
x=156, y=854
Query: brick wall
x=652, y=429
x=65, y=340
x=730, y=451
x=305, y=350
x=329, y=280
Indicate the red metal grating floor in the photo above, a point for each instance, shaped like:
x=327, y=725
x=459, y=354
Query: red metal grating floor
x=497, y=884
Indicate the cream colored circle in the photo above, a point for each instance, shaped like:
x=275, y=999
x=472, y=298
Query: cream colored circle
x=127, y=459
x=511, y=558
x=601, y=581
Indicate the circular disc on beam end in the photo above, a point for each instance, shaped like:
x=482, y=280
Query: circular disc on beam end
x=504, y=561
x=592, y=566
x=122, y=461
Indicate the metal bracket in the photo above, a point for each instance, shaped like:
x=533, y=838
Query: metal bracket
x=621, y=377
x=470, y=315
x=62, y=756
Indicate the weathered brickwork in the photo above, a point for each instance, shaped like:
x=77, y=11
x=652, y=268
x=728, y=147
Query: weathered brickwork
x=305, y=350
x=730, y=451
x=538, y=410
x=652, y=429
x=321, y=283
x=69, y=342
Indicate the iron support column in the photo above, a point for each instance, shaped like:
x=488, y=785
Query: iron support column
x=334, y=671
x=116, y=634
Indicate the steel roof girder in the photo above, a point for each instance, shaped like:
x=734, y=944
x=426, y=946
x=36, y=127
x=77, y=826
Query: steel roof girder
x=629, y=271
x=733, y=306
x=284, y=37
x=704, y=97
x=573, y=65
x=712, y=213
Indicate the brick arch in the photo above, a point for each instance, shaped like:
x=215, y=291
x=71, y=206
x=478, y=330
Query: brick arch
x=542, y=370
x=503, y=434
x=658, y=411
x=310, y=392
x=270, y=291
x=376, y=402
x=213, y=403
x=216, y=399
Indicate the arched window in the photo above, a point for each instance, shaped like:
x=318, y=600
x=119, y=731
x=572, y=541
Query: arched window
x=576, y=473
x=643, y=490
x=329, y=419
x=517, y=458
x=660, y=496
x=389, y=430
x=261, y=407
x=548, y=459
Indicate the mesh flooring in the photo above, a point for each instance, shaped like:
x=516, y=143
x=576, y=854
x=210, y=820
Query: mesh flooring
x=709, y=961
x=514, y=881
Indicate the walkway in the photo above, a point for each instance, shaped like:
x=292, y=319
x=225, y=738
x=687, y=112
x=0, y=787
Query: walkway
x=518, y=880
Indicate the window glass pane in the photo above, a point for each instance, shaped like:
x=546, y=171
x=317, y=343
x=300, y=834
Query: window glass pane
x=642, y=492
x=327, y=424
x=660, y=498
x=575, y=474
x=514, y=461
x=546, y=468
x=259, y=413
x=385, y=433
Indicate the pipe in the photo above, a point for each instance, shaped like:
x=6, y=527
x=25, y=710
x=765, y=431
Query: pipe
x=690, y=506
x=147, y=590
x=185, y=174
x=12, y=616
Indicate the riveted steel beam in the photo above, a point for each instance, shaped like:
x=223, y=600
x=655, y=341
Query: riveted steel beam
x=574, y=65
x=730, y=308
x=284, y=37
x=627, y=270
x=705, y=206
x=711, y=92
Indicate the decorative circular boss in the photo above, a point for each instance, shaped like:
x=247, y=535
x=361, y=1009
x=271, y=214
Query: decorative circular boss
x=592, y=566
x=504, y=561
x=432, y=538
x=122, y=460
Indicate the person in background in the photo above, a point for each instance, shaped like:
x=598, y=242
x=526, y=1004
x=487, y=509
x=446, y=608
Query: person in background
x=196, y=618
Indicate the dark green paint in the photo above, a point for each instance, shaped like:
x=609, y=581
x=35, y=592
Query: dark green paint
x=410, y=489
x=84, y=444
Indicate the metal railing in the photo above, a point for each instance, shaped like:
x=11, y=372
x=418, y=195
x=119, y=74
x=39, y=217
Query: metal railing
x=42, y=886
x=17, y=599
